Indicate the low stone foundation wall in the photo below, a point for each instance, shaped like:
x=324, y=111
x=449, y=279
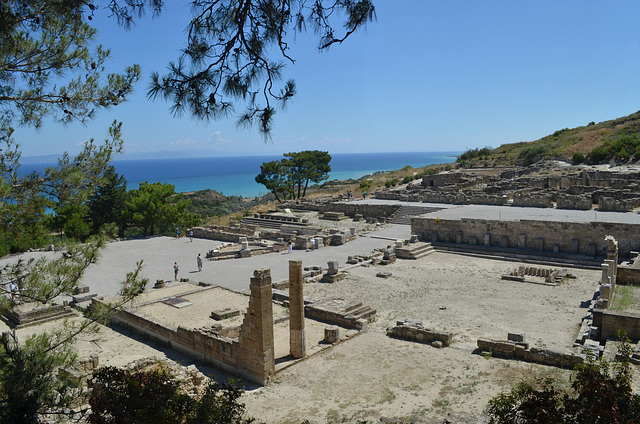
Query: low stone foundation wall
x=610, y=322
x=448, y=198
x=628, y=275
x=352, y=208
x=521, y=351
x=251, y=355
x=580, y=202
x=417, y=333
x=613, y=205
x=532, y=200
x=232, y=234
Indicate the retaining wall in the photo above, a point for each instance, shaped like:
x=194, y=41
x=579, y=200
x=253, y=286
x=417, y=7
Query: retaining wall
x=231, y=234
x=352, y=208
x=576, y=238
x=610, y=322
x=513, y=350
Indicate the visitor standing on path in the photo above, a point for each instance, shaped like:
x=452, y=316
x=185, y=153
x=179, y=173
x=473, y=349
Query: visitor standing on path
x=364, y=195
x=191, y=236
x=177, y=232
x=199, y=262
x=175, y=271
x=289, y=247
x=13, y=288
x=313, y=244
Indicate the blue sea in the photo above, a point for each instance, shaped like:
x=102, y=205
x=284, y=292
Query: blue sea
x=236, y=175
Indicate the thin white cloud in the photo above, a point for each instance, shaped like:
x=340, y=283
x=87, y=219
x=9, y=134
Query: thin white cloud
x=184, y=142
x=216, y=138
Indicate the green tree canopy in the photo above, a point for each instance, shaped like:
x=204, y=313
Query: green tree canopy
x=107, y=203
x=154, y=209
x=307, y=166
x=48, y=66
x=273, y=176
x=236, y=53
x=291, y=175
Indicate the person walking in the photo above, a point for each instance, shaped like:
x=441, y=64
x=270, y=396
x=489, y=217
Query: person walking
x=175, y=271
x=364, y=195
x=191, y=236
x=15, y=291
x=177, y=232
x=289, y=247
x=199, y=262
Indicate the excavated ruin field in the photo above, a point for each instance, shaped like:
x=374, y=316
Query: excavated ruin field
x=371, y=375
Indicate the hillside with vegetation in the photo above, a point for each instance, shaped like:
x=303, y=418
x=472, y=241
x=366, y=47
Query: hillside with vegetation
x=594, y=143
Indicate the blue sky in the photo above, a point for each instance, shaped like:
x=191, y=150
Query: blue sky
x=425, y=76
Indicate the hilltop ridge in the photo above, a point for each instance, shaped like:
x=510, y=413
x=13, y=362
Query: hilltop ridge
x=594, y=143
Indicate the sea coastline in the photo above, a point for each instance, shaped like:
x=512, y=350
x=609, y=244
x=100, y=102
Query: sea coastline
x=235, y=175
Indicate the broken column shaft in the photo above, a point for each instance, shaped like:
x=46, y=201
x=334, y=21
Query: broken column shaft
x=297, y=343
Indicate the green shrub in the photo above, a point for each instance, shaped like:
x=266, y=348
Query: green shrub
x=475, y=153
x=365, y=184
x=530, y=153
x=598, y=154
x=578, y=158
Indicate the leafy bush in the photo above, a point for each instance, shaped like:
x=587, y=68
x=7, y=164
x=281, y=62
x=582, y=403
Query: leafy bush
x=600, y=393
x=153, y=397
x=365, y=184
x=475, y=153
x=578, y=158
x=598, y=154
x=530, y=153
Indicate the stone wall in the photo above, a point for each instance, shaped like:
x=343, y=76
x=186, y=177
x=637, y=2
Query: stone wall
x=251, y=355
x=533, y=200
x=582, y=238
x=612, y=205
x=610, y=322
x=440, y=180
x=367, y=210
x=487, y=199
x=628, y=275
x=429, y=196
x=418, y=333
x=514, y=350
x=222, y=233
x=579, y=202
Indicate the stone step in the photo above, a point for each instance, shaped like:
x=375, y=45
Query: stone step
x=414, y=251
x=262, y=222
x=362, y=313
x=352, y=307
x=424, y=253
x=405, y=213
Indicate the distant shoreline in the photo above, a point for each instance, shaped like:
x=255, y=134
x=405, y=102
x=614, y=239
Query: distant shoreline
x=236, y=175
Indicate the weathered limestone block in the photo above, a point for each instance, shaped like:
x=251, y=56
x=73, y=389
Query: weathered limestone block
x=418, y=333
x=221, y=314
x=331, y=334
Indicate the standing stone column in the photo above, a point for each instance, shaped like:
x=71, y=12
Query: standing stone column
x=612, y=255
x=297, y=342
x=256, y=332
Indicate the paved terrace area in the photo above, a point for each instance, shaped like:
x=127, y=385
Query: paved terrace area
x=515, y=213
x=159, y=253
